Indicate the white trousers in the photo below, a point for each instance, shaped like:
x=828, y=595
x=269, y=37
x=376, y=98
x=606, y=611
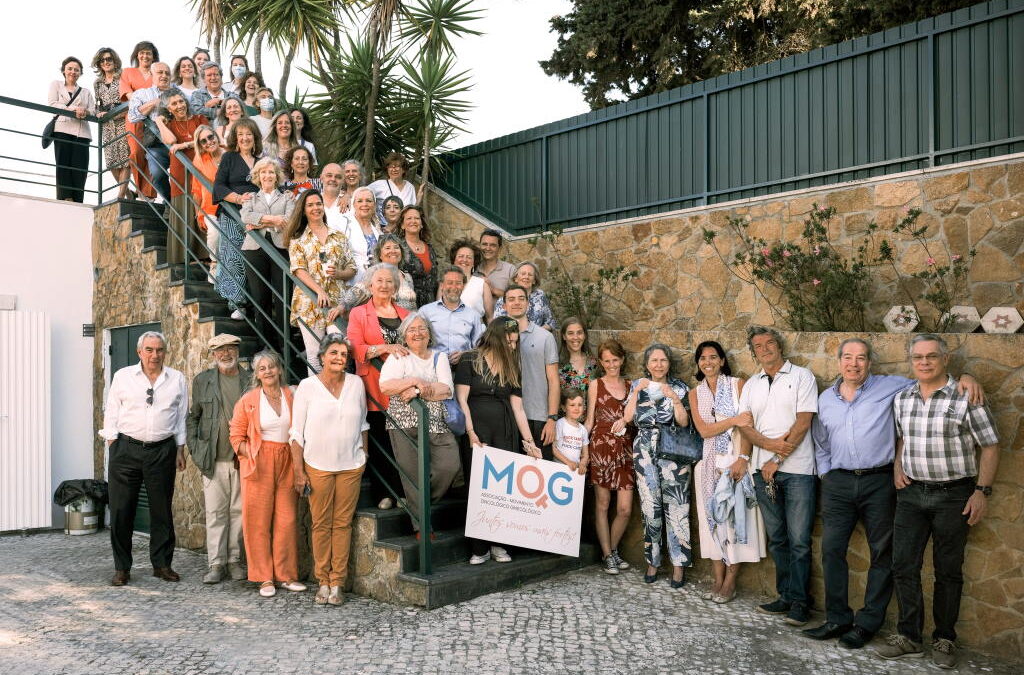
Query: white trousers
x=223, y=496
x=312, y=344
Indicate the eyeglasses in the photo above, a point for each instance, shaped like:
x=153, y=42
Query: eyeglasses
x=107, y=59
x=418, y=329
x=208, y=139
x=925, y=357
x=149, y=396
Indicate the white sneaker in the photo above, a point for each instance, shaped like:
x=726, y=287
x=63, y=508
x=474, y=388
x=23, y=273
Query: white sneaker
x=294, y=586
x=214, y=574
x=335, y=597
x=267, y=589
x=321, y=595
x=238, y=314
x=480, y=559
x=500, y=555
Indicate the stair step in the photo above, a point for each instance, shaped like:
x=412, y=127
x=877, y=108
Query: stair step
x=210, y=306
x=145, y=221
x=448, y=514
x=150, y=237
x=199, y=272
x=222, y=324
x=196, y=289
x=449, y=546
x=460, y=581
x=138, y=208
x=161, y=255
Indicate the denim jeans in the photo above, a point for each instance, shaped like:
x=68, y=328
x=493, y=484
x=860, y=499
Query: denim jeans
x=846, y=499
x=924, y=511
x=788, y=523
x=158, y=157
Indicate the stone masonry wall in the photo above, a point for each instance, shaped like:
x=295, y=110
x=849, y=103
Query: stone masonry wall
x=129, y=290
x=684, y=285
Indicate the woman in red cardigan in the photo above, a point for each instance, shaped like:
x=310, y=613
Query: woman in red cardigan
x=373, y=333
x=259, y=434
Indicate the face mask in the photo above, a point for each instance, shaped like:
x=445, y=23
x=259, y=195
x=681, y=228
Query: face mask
x=238, y=71
x=267, y=104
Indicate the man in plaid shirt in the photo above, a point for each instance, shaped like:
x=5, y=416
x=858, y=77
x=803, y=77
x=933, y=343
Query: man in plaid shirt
x=942, y=489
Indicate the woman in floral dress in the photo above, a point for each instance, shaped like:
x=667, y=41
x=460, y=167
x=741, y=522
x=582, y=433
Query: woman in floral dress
x=577, y=366
x=107, y=65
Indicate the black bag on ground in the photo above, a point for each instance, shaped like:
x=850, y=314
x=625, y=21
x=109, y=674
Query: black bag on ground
x=70, y=490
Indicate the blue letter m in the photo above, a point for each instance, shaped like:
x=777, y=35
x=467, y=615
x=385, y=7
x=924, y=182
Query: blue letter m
x=505, y=475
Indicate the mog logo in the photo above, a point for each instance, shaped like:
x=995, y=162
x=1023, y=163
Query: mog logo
x=529, y=483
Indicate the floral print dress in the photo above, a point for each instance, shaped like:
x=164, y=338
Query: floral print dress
x=663, y=485
x=115, y=144
x=307, y=253
x=538, y=311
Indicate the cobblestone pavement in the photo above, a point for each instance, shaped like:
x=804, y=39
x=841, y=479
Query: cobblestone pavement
x=58, y=615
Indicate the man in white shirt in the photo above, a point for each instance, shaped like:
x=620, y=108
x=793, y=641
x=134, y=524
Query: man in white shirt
x=335, y=203
x=144, y=427
x=782, y=398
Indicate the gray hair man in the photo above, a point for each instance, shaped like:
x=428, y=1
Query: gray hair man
x=942, y=489
x=144, y=428
x=215, y=392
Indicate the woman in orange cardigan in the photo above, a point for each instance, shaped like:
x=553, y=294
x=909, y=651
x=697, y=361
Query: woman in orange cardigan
x=373, y=334
x=259, y=435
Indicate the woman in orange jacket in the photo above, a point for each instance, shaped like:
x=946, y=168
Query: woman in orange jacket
x=259, y=435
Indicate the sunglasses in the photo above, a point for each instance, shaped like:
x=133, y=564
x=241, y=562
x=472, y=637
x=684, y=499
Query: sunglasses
x=208, y=139
x=149, y=396
x=107, y=59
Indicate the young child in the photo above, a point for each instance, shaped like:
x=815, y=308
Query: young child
x=571, y=438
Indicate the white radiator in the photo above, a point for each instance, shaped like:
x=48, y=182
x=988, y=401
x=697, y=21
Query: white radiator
x=25, y=421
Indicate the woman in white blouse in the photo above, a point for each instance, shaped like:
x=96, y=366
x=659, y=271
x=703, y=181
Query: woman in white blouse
x=361, y=228
x=259, y=434
x=422, y=373
x=329, y=437
x=396, y=166
x=466, y=255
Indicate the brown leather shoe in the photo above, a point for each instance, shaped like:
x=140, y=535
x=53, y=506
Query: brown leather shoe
x=121, y=578
x=166, y=573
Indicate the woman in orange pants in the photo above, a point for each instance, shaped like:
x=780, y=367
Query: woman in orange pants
x=259, y=435
x=138, y=77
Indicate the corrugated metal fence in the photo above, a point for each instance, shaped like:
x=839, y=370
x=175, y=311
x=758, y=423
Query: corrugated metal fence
x=943, y=90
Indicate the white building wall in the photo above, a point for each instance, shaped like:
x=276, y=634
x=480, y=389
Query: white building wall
x=46, y=263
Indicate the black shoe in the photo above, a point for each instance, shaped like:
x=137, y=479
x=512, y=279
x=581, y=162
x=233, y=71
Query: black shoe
x=779, y=606
x=827, y=631
x=678, y=584
x=855, y=638
x=798, y=615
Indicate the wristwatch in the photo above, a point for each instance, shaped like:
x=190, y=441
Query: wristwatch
x=553, y=418
x=984, y=489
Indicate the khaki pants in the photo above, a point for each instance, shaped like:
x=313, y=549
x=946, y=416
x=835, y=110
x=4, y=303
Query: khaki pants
x=332, y=505
x=444, y=465
x=223, y=496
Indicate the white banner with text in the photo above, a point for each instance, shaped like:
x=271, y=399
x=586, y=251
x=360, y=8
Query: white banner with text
x=517, y=500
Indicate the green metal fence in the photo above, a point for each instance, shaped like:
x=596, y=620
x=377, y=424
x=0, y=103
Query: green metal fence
x=943, y=90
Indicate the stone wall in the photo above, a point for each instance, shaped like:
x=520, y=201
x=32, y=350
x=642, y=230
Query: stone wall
x=992, y=614
x=129, y=290
x=684, y=285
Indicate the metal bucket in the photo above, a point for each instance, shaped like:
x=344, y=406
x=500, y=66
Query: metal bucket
x=81, y=517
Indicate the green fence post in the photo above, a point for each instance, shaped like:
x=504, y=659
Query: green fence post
x=423, y=478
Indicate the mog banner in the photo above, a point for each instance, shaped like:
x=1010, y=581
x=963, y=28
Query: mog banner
x=517, y=500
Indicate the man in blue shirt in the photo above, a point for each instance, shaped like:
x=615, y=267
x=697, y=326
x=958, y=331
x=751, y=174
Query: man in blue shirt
x=855, y=441
x=457, y=327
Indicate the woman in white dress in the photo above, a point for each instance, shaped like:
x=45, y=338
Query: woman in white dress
x=715, y=404
x=466, y=255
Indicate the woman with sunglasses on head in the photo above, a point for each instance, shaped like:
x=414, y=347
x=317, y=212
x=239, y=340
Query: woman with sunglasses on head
x=107, y=66
x=489, y=391
x=207, y=153
x=138, y=77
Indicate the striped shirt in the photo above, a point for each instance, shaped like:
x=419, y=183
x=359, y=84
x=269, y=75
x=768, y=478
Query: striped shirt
x=940, y=435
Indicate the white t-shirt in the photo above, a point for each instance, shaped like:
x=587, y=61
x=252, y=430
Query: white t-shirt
x=274, y=427
x=473, y=294
x=570, y=439
x=774, y=407
x=263, y=124
x=382, y=189
x=410, y=365
x=330, y=429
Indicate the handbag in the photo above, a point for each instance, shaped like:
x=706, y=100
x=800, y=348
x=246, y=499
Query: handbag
x=48, y=130
x=453, y=415
x=683, y=445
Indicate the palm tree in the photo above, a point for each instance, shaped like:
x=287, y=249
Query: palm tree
x=212, y=16
x=383, y=16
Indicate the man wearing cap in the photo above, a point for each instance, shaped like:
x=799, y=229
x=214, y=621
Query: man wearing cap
x=214, y=395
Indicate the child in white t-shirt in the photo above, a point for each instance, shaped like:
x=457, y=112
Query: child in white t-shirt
x=571, y=439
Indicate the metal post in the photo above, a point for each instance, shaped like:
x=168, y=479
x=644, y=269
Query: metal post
x=286, y=345
x=931, y=99
x=99, y=163
x=423, y=477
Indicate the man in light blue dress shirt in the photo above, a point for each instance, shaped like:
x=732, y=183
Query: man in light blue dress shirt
x=855, y=441
x=457, y=327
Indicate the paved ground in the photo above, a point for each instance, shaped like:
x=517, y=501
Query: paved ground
x=58, y=615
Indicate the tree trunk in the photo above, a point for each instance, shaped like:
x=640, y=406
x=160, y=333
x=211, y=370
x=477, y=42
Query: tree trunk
x=371, y=103
x=425, y=171
x=286, y=69
x=257, y=53
x=216, y=46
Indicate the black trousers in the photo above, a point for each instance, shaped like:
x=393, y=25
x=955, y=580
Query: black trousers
x=536, y=427
x=936, y=512
x=264, y=299
x=847, y=499
x=377, y=459
x=71, y=154
x=131, y=465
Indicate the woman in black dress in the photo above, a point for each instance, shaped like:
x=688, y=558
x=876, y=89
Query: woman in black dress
x=487, y=386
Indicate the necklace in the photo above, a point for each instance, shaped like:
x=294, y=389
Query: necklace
x=417, y=249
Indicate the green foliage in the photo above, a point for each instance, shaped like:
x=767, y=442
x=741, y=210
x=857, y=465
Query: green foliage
x=821, y=289
x=624, y=49
x=942, y=281
x=573, y=296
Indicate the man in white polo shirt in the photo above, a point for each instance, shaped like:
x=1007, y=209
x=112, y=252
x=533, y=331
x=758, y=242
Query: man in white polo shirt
x=782, y=398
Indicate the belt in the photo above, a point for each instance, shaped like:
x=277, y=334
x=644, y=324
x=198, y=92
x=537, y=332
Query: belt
x=134, y=441
x=944, y=484
x=866, y=472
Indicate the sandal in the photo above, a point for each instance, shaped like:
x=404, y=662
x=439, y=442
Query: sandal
x=267, y=589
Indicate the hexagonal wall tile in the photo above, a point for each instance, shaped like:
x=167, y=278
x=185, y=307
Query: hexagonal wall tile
x=1002, y=320
x=901, y=319
x=965, y=319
